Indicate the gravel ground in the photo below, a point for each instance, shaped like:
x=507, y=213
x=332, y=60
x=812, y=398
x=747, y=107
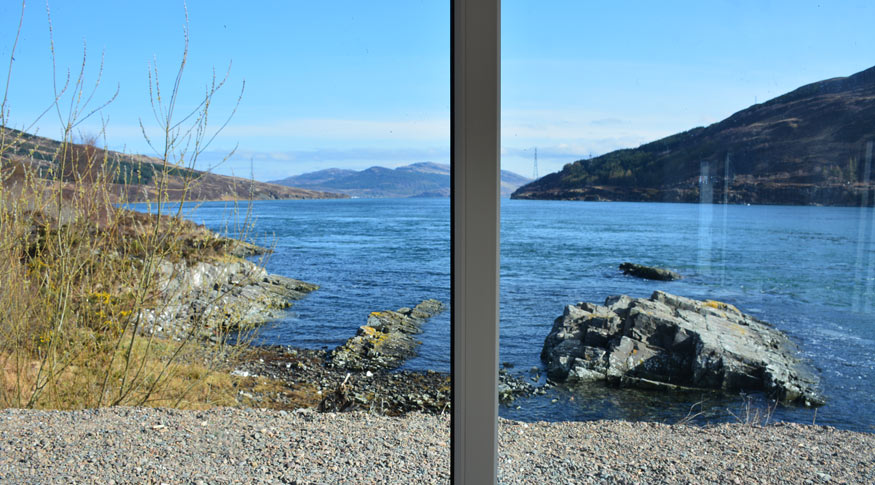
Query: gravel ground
x=123, y=445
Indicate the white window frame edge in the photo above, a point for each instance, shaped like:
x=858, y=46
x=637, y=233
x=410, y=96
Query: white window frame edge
x=475, y=150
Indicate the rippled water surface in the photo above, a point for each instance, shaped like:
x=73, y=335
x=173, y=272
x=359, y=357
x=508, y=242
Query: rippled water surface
x=810, y=271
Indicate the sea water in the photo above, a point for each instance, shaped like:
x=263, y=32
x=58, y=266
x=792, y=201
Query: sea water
x=810, y=271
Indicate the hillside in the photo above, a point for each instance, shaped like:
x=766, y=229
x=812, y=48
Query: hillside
x=424, y=179
x=807, y=147
x=136, y=175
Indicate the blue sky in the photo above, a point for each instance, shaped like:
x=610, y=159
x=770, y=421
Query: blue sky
x=355, y=84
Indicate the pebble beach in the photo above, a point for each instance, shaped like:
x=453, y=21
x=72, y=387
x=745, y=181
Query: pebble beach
x=230, y=445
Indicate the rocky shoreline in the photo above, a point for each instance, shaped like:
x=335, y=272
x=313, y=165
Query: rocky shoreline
x=740, y=193
x=310, y=381
x=219, y=295
x=361, y=374
x=667, y=343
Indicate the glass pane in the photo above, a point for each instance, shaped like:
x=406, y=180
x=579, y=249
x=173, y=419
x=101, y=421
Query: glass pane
x=731, y=146
x=340, y=138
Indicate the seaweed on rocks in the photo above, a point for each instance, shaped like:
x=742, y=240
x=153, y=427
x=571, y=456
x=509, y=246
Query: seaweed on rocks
x=511, y=387
x=361, y=374
x=333, y=389
x=310, y=382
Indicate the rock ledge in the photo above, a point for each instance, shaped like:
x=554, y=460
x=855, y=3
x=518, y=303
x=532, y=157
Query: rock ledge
x=386, y=341
x=231, y=293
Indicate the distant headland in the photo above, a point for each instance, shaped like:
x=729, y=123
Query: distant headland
x=812, y=146
x=424, y=179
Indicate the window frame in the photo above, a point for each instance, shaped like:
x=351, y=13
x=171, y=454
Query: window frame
x=475, y=95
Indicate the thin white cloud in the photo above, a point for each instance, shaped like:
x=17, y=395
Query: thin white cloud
x=282, y=136
x=275, y=150
x=345, y=129
x=606, y=122
x=571, y=126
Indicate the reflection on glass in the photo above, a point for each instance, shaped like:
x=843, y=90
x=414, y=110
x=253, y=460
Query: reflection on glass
x=706, y=198
x=864, y=267
x=656, y=159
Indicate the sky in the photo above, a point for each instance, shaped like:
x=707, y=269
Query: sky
x=353, y=84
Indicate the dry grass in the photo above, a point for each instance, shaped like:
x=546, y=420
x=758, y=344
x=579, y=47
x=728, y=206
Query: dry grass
x=77, y=270
x=79, y=382
x=73, y=282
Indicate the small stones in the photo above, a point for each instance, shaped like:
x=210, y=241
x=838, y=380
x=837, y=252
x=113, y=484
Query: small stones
x=264, y=446
x=510, y=388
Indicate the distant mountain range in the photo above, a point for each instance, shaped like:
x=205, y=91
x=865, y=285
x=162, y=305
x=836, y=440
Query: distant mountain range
x=137, y=176
x=810, y=146
x=425, y=179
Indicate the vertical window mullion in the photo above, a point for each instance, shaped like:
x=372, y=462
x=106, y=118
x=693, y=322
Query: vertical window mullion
x=475, y=237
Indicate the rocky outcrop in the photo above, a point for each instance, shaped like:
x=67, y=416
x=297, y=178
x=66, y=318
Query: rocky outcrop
x=672, y=342
x=387, y=339
x=649, y=272
x=218, y=295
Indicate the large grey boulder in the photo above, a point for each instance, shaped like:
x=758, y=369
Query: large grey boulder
x=672, y=342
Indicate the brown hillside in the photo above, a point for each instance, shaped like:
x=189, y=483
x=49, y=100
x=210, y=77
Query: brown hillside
x=137, y=176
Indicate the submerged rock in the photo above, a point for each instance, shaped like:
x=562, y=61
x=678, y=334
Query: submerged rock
x=386, y=341
x=672, y=342
x=649, y=272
